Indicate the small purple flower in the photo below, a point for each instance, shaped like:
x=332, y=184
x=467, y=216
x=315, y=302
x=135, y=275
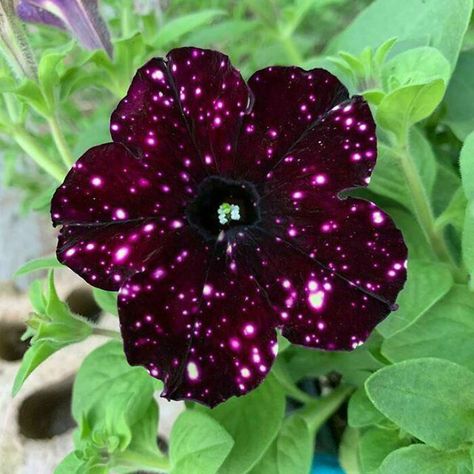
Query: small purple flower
x=216, y=213
x=80, y=17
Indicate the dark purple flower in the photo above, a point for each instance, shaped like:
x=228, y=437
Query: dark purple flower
x=216, y=213
x=80, y=17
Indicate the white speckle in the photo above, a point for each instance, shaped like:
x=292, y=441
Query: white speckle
x=157, y=74
x=245, y=372
x=316, y=299
x=120, y=214
x=121, y=253
x=193, y=372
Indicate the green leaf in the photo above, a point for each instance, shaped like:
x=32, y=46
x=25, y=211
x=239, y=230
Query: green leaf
x=43, y=263
x=224, y=31
x=432, y=399
x=422, y=459
x=291, y=451
x=446, y=330
x=435, y=23
x=252, y=428
x=198, y=444
x=466, y=163
x=468, y=242
x=407, y=105
x=33, y=357
x=348, y=451
x=30, y=93
x=107, y=383
x=427, y=283
x=142, y=453
x=48, y=75
x=52, y=328
x=174, y=29
x=355, y=366
x=69, y=465
x=361, y=412
x=415, y=240
x=375, y=445
x=454, y=212
x=388, y=178
x=459, y=98
x=107, y=300
x=415, y=66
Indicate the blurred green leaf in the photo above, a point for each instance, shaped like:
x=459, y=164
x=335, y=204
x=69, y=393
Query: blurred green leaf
x=198, y=444
x=174, y=29
x=466, y=164
x=435, y=23
x=459, y=98
x=466, y=161
x=432, y=399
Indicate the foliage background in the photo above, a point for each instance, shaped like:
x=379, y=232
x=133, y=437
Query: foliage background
x=411, y=386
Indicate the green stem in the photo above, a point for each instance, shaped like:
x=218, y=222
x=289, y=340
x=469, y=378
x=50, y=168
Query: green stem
x=291, y=50
x=125, y=21
x=37, y=154
x=424, y=212
x=318, y=411
x=60, y=141
x=106, y=333
x=143, y=461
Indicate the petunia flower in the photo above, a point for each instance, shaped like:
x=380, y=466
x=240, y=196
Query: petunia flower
x=80, y=17
x=216, y=213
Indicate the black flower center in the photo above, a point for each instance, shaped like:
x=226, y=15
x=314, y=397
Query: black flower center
x=223, y=205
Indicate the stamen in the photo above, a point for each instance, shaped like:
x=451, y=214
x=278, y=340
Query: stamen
x=227, y=212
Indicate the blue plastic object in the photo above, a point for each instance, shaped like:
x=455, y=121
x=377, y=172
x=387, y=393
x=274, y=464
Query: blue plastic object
x=326, y=464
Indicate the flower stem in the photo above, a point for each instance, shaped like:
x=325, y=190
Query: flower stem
x=37, y=154
x=106, y=333
x=125, y=22
x=424, y=212
x=60, y=141
x=291, y=50
x=318, y=411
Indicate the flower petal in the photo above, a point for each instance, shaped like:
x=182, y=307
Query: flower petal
x=115, y=209
x=214, y=98
x=301, y=202
x=288, y=101
x=338, y=152
x=81, y=17
x=315, y=306
x=108, y=184
x=197, y=323
x=352, y=237
x=188, y=108
x=105, y=255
